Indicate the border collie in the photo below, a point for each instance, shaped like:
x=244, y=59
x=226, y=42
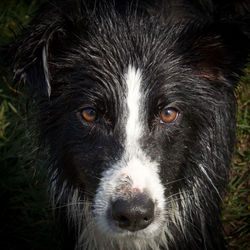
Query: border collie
x=136, y=104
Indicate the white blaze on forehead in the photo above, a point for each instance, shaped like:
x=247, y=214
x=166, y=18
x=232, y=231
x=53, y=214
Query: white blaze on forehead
x=138, y=167
x=135, y=165
x=133, y=126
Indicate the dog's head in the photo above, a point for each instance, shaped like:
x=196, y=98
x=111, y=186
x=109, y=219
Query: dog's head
x=137, y=108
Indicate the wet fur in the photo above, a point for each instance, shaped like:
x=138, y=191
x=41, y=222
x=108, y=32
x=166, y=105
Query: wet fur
x=77, y=53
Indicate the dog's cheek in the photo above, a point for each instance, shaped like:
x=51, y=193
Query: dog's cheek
x=168, y=147
x=81, y=171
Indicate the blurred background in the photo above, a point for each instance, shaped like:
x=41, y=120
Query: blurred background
x=26, y=217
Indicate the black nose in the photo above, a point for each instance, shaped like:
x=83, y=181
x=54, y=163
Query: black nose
x=134, y=213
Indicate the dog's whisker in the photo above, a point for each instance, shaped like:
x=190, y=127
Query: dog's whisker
x=172, y=182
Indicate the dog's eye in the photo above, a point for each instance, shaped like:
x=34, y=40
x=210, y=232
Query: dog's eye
x=169, y=115
x=89, y=114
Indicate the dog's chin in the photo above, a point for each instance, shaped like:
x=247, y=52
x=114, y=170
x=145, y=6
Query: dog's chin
x=107, y=235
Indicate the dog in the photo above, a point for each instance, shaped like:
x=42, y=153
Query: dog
x=135, y=102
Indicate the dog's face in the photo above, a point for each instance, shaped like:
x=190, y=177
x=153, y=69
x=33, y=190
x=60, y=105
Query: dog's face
x=130, y=124
x=139, y=118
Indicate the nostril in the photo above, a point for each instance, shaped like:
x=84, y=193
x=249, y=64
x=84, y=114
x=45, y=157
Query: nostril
x=134, y=213
x=122, y=221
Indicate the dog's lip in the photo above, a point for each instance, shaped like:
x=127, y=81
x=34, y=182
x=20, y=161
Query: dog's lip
x=140, y=234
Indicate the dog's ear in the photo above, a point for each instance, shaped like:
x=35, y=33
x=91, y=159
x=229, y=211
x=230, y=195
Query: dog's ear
x=220, y=53
x=31, y=52
x=220, y=48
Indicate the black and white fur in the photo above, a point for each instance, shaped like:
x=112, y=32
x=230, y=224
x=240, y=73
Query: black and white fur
x=129, y=61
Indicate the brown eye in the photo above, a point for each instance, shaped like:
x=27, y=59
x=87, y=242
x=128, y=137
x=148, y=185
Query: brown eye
x=89, y=114
x=169, y=115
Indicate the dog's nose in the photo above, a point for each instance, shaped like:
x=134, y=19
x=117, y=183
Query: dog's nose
x=134, y=213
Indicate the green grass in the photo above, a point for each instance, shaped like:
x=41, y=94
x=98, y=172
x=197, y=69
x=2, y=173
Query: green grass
x=26, y=216
x=236, y=213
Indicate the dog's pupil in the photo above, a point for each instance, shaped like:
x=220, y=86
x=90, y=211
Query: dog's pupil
x=169, y=112
x=89, y=114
